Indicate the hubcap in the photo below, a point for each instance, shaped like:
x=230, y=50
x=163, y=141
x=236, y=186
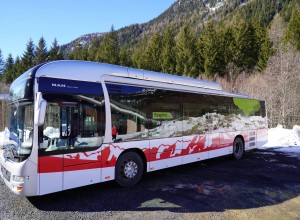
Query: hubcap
x=130, y=169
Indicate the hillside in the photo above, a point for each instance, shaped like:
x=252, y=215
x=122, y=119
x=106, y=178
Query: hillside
x=85, y=39
x=196, y=13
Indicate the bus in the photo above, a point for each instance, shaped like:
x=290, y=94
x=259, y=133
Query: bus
x=75, y=123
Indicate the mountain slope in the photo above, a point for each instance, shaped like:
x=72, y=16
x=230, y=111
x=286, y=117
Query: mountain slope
x=196, y=13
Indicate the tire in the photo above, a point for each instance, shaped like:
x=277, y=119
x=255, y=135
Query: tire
x=238, y=148
x=129, y=169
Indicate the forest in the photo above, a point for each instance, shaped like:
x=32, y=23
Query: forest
x=254, y=50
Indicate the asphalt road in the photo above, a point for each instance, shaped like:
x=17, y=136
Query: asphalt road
x=263, y=185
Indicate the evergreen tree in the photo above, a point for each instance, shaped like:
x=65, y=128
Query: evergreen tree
x=54, y=52
x=85, y=52
x=151, y=60
x=41, y=52
x=1, y=63
x=92, y=53
x=125, y=58
x=17, y=69
x=9, y=69
x=28, y=57
x=109, y=48
x=168, y=59
x=186, y=53
x=77, y=53
x=227, y=43
x=200, y=52
x=265, y=46
x=293, y=30
x=138, y=56
x=213, y=51
x=247, y=46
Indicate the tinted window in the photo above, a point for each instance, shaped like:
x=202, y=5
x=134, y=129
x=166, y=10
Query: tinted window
x=73, y=123
x=141, y=113
x=165, y=114
x=128, y=111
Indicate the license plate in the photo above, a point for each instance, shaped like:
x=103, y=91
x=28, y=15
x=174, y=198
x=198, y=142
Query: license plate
x=5, y=173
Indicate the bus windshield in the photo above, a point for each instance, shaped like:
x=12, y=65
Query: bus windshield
x=18, y=131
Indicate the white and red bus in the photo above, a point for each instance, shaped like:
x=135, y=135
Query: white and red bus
x=75, y=123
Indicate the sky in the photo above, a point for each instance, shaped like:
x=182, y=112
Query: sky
x=67, y=20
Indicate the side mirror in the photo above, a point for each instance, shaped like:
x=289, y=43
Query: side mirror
x=40, y=109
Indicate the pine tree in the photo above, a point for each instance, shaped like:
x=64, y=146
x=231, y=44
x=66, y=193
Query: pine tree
x=138, y=56
x=293, y=30
x=1, y=63
x=28, y=57
x=92, y=53
x=168, y=59
x=41, y=52
x=54, y=52
x=77, y=52
x=109, y=48
x=265, y=46
x=247, y=46
x=125, y=58
x=9, y=69
x=227, y=42
x=152, y=55
x=17, y=69
x=200, y=52
x=213, y=52
x=85, y=52
x=186, y=53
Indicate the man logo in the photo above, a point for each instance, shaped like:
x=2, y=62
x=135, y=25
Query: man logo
x=58, y=85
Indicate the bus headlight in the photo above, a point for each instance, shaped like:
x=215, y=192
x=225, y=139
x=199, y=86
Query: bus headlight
x=19, y=179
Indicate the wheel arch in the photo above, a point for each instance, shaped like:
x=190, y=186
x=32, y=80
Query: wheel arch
x=240, y=136
x=139, y=152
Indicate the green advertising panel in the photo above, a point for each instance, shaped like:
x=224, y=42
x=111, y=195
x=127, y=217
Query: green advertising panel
x=162, y=115
x=247, y=106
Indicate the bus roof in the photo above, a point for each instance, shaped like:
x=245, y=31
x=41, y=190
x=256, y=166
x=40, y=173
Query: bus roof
x=93, y=71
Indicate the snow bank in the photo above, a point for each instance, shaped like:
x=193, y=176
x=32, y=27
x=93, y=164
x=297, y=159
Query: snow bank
x=280, y=137
x=284, y=140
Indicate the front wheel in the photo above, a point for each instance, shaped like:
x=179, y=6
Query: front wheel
x=129, y=169
x=238, y=148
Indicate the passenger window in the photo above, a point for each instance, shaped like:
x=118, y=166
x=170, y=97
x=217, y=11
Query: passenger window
x=128, y=112
x=165, y=114
x=75, y=124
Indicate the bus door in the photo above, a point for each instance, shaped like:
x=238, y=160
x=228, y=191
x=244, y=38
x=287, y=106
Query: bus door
x=78, y=132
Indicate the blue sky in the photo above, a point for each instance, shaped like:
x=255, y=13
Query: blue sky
x=66, y=20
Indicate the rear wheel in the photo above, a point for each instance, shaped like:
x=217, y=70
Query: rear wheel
x=129, y=169
x=238, y=148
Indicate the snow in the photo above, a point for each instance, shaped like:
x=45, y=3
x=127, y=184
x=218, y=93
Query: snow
x=284, y=140
x=279, y=138
x=218, y=5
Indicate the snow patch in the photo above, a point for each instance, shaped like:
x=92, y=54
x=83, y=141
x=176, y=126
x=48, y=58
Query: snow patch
x=218, y=5
x=280, y=137
x=284, y=140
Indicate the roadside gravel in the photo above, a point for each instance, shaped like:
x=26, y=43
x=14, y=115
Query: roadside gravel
x=263, y=185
